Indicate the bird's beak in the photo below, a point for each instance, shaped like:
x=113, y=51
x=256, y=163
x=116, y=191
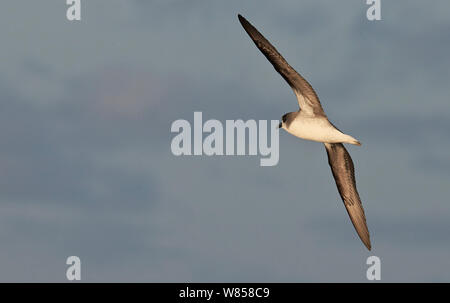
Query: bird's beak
x=280, y=125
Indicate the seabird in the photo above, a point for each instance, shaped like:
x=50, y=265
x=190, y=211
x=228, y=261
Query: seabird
x=311, y=123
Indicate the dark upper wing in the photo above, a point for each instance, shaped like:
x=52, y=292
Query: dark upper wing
x=306, y=96
x=344, y=174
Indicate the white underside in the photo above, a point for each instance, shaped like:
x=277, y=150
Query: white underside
x=317, y=129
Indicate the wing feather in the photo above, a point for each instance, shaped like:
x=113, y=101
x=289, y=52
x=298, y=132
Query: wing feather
x=344, y=174
x=306, y=96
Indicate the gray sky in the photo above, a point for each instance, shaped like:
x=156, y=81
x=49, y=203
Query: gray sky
x=85, y=161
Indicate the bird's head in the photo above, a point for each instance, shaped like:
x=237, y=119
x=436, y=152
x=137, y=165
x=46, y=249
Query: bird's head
x=284, y=121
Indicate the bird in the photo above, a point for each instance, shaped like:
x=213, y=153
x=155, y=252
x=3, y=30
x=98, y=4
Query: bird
x=311, y=123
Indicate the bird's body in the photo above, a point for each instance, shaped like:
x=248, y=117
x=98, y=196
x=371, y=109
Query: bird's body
x=311, y=123
x=317, y=129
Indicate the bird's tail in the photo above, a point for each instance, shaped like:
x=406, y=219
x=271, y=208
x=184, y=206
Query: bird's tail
x=353, y=141
x=356, y=142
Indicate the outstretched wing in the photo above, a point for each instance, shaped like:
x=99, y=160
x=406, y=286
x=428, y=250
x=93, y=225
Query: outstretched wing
x=306, y=96
x=344, y=174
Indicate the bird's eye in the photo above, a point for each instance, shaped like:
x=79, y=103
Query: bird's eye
x=284, y=118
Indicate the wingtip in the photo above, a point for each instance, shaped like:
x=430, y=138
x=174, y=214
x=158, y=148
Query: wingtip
x=242, y=19
x=367, y=243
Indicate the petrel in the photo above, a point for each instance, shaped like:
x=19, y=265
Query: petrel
x=311, y=123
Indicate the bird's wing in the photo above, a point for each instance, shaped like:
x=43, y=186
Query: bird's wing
x=344, y=174
x=306, y=96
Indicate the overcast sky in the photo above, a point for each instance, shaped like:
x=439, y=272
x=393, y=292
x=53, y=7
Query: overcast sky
x=86, y=167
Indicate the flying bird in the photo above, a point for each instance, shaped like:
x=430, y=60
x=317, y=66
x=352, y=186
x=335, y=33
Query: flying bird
x=311, y=123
